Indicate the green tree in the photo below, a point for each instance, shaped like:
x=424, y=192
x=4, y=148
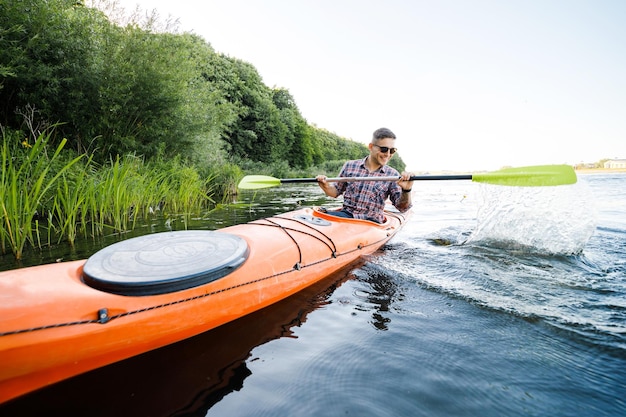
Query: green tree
x=300, y=151
x=50, y=54
x=147, y=78
x=258, y=133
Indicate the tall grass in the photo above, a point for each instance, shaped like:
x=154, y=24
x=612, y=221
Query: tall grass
x=130, y=188
x=49, y=198
x=117, y=192
x=70, y=209
x=187, y=190
x=225, y=178
x=24, y=182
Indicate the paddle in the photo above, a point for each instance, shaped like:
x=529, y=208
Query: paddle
x=531, y=176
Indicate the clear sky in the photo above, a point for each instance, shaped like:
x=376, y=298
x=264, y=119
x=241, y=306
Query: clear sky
x=465, y=85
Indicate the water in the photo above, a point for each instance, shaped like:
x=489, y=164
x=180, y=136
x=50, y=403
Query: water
x=492, y=301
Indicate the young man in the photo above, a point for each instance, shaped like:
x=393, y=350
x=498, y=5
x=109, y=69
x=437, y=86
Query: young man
x=366, y=199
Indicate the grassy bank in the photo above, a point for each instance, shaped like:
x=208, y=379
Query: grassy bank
x=49, y=195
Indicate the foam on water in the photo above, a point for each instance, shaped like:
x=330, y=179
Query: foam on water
x=553, y=220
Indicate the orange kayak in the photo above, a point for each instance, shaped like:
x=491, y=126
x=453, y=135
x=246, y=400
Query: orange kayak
x=61, y=320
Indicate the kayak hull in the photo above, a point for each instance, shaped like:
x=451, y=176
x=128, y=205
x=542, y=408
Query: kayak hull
x=54, y=326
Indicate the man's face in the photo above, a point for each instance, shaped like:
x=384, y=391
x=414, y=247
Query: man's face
x=376, y=150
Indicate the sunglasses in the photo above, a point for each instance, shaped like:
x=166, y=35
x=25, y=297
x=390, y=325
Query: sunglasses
x=385, y=149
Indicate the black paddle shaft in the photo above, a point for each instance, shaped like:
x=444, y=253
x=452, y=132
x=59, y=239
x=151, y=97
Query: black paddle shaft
x=413, y=178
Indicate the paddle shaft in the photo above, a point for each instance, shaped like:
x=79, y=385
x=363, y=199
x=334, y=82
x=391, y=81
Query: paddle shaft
x=356, y=179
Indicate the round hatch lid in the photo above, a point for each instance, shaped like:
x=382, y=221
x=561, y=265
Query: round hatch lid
x=164, y=262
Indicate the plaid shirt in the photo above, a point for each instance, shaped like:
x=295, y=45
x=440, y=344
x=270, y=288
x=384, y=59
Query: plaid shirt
x=366, y=199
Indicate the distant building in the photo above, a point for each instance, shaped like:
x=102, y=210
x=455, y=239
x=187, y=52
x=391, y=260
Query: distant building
x=615, y=163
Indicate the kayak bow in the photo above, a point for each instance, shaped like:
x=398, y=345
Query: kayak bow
x=61, y=320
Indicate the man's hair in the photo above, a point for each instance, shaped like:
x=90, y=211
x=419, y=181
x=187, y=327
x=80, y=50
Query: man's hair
x=382, y=133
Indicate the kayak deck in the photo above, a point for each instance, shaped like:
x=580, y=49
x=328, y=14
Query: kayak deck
x=60, y=320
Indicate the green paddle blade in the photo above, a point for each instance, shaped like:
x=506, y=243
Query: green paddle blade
x=531, y=176
x=255, y=182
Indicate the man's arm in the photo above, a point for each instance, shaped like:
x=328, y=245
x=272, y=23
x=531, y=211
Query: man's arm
x=405, y=202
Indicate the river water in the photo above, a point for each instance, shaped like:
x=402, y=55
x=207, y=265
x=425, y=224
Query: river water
x=492, y=301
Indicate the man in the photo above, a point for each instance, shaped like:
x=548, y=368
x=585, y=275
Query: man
x=366, y=199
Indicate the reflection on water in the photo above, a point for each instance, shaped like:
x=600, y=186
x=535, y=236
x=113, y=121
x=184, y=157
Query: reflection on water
x=376, y=292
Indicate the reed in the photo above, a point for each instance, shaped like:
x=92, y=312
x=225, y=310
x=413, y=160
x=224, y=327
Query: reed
x=47, y=199
x=181, y=189
x=117, y=193
x=71, y=209
x=156, y=189
x=24, y=182
x=224, y=180
x=189, y=190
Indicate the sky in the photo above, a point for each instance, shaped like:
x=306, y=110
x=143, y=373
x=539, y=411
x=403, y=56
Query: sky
x=464, y=85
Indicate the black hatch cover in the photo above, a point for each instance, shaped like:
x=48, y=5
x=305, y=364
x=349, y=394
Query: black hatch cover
x=164, y=262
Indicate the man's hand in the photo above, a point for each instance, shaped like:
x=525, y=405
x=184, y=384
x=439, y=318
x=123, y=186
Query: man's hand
x=328, y=188
x=404, y=181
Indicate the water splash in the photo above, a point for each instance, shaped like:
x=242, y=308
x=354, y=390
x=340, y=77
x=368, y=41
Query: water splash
x=551, y=220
